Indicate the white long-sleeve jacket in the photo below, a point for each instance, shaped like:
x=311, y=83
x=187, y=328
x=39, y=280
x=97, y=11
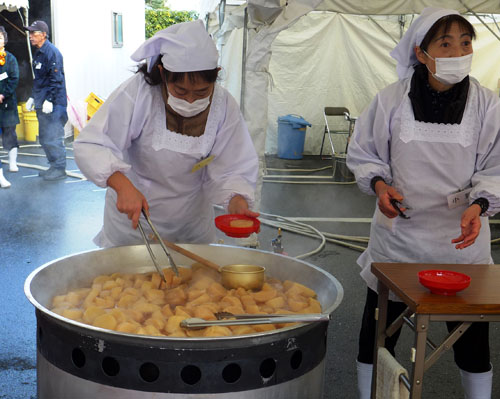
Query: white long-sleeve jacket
x=129, y=134
x=426, y=163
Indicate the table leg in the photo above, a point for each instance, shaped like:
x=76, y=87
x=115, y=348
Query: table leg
x=421, y=327
x=381, y=316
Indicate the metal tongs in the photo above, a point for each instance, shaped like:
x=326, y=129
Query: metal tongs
x=395, y=203
x=195, y=323
x=148, y=246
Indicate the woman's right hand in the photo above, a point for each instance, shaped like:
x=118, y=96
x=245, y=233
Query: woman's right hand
x=130, y=200
x=384, y=194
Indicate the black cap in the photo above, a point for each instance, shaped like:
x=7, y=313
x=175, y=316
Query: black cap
x=38, y=26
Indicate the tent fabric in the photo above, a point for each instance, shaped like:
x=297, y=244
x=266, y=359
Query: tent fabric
x=257, y=78
x=395, y=7
x=347, y=65
x=381, y=7
x=290, y=94
x=328, y=60
x=336, y=60
x=13, y=5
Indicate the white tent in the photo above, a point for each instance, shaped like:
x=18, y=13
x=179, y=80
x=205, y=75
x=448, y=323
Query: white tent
x=14, y=5
x=397, y=7
x=19, y=6
x=303, y=55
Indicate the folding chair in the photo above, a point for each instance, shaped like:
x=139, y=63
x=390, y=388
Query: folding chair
x=336, y=111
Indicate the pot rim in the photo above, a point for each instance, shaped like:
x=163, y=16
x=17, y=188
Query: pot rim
x=102, y=331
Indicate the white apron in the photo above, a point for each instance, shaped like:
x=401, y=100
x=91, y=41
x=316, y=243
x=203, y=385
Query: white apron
x=429, y=161
x=162, y=170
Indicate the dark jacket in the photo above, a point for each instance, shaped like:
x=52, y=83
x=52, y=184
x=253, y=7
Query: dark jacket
x=9, y=78
x=49, y=83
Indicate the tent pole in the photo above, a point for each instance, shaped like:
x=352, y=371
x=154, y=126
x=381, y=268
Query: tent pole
x=485, y=24
x=222, y=12
x=478, y=17
x=13, y=25
x=243, y=63
x=402, y=22
x=495, y=21
x=25, y=22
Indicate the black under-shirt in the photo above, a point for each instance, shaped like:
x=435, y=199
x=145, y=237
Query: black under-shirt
x=434, y=106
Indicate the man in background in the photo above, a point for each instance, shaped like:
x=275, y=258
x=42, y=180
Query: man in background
x=49, y=100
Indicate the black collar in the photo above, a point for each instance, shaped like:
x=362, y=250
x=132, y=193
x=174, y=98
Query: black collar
x=434, y=106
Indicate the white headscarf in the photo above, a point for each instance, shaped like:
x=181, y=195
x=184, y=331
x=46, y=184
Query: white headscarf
x=404, y=52
x=184, y=47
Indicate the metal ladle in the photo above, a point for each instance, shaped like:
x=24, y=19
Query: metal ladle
x=249, y=277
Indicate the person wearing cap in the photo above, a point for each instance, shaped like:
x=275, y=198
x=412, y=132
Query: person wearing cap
x=49, y=100
x=9, y=117
x=430, y=143
x=171, y=141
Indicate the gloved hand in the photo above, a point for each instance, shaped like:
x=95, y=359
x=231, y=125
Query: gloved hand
x=47, y=107
x=30, y=104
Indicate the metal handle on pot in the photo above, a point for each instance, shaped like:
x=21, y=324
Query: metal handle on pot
x=195, y=322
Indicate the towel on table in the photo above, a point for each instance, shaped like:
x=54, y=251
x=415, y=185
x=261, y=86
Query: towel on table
x=388, y=372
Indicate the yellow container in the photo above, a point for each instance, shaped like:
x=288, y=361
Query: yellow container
x=20, y=125
x=30, y=125
x=76, y=132
x=94, y=103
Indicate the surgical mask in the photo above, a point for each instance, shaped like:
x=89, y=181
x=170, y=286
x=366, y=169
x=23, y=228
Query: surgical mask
x=185, y=108
x=451, y=70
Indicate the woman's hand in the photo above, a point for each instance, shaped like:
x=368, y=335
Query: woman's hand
x=130, y=200
x=238, y=205
x=470, y=225
x=384, y=194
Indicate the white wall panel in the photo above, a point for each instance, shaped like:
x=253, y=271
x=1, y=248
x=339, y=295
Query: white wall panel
x=83, y=34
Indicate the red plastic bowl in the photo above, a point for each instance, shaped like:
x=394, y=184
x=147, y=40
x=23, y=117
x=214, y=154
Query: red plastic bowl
x=443, y=282
x=223, y=223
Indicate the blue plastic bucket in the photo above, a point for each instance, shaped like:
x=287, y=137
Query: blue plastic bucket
x=291, y=136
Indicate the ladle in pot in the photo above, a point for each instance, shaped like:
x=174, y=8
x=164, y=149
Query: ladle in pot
x=249, y=277
x=197, y=323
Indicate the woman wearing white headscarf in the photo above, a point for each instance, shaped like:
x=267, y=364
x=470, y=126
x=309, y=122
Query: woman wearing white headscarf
x=169, y=140
x=425, y=140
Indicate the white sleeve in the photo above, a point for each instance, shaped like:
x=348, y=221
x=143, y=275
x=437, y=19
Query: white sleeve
x=368, y=153
x=486, y=179
x=100, y=148
x=235, y=166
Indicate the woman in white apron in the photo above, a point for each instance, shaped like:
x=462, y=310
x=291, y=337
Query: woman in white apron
x=169, y=140
x=432, y=136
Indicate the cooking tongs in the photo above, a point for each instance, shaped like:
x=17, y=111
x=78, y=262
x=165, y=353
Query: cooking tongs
x=153, y=257
x=196, y=323
x=395, y=204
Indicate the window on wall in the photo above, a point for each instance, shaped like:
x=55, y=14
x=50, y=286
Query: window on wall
x=117, y=30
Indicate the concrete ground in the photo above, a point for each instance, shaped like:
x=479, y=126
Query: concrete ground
x=42, y=221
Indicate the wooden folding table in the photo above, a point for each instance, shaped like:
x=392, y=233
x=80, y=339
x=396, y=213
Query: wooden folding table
x=479, y=302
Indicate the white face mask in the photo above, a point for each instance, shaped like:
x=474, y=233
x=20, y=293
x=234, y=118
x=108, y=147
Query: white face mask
x=451, y=70
x=186, y=109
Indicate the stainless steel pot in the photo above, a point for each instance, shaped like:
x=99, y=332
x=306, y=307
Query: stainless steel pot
x=80, y=361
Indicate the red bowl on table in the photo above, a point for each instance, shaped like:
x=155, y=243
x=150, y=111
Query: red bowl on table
x=443, y=282
x=238, y=226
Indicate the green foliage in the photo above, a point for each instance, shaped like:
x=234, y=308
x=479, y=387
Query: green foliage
x=156, y=4
x=157, y=19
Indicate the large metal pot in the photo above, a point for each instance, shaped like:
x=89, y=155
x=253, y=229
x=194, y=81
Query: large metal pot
x=78, y=361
